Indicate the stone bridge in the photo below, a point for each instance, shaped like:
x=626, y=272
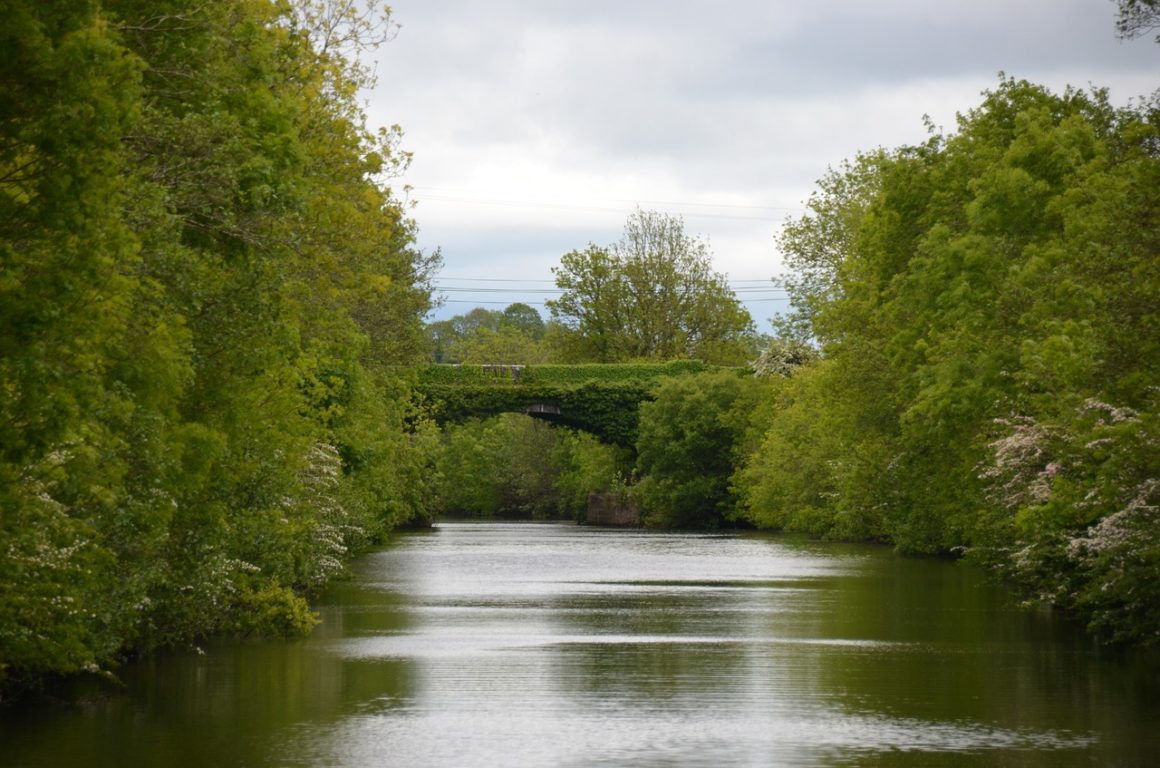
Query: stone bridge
x=603, y=399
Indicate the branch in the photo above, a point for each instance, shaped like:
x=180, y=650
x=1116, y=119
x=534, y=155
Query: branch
x=1137, y=17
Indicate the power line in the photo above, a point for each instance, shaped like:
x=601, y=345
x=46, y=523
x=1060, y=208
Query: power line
x=544, y=304
x=494, y=279
x=453, y=289
x=496, y=303
x=741, y=284
x=537, y=292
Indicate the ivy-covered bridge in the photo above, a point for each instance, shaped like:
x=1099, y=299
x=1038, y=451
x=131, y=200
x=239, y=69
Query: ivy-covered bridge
x=603, y=399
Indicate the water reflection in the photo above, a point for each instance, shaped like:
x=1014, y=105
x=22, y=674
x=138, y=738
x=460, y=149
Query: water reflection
x=512, y=644
x=563, y=646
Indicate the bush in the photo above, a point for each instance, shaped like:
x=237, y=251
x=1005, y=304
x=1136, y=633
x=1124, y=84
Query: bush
x=691, y=437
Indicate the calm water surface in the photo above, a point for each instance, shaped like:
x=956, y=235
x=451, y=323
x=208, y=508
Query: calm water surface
x=554, y=645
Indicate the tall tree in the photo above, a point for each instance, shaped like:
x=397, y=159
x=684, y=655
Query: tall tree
x=986, y=305
x=651, y=295
x=71, y=346
x=204, y=278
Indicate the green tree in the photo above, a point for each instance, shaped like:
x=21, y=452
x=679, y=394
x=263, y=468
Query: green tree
x=205, y=281
x=653, y=295
x=975, y=297
x=525, y=319
x=76, y=385
x=518, y=467
x=513, y=336
x=690, y=440
x=507, y=345
x=813, y=468
x=587, y=466
x=590, y=312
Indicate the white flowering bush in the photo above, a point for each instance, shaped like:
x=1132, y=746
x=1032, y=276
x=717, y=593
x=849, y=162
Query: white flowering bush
x=782, y=357
x=1077, y=515
x=332, y=525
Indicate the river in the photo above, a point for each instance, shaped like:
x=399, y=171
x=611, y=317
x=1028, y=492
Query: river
x=480, y=644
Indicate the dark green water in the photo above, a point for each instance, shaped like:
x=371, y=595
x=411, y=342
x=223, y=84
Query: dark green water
x=547, y=645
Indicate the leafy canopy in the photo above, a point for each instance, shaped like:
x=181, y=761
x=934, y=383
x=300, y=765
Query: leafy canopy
x=652, y=295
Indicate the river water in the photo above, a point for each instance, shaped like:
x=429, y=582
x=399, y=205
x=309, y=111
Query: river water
x=556, y=645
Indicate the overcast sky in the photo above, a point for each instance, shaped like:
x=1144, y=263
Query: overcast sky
x=537, y=126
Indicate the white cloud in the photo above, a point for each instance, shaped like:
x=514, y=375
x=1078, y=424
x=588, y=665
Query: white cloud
x=537, y=127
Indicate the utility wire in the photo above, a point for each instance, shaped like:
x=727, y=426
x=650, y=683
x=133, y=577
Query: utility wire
x=544, y=304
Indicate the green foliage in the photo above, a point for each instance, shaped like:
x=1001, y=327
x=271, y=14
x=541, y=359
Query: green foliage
x=600, y=399
x=653, y=295
x=67, y=292
x=621, y=372
x=204, y=283
x=523, y=319
x=1075, y=514
x=588, y=466
x=517, y=467
x=783, y=357
x=483, y=336
x=554, y=374
x=1137, y=17
x=810, y=471
x=689, y=442
x=608, y=411
x=269, y=611
x=507, y=344
x=1005, y=275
